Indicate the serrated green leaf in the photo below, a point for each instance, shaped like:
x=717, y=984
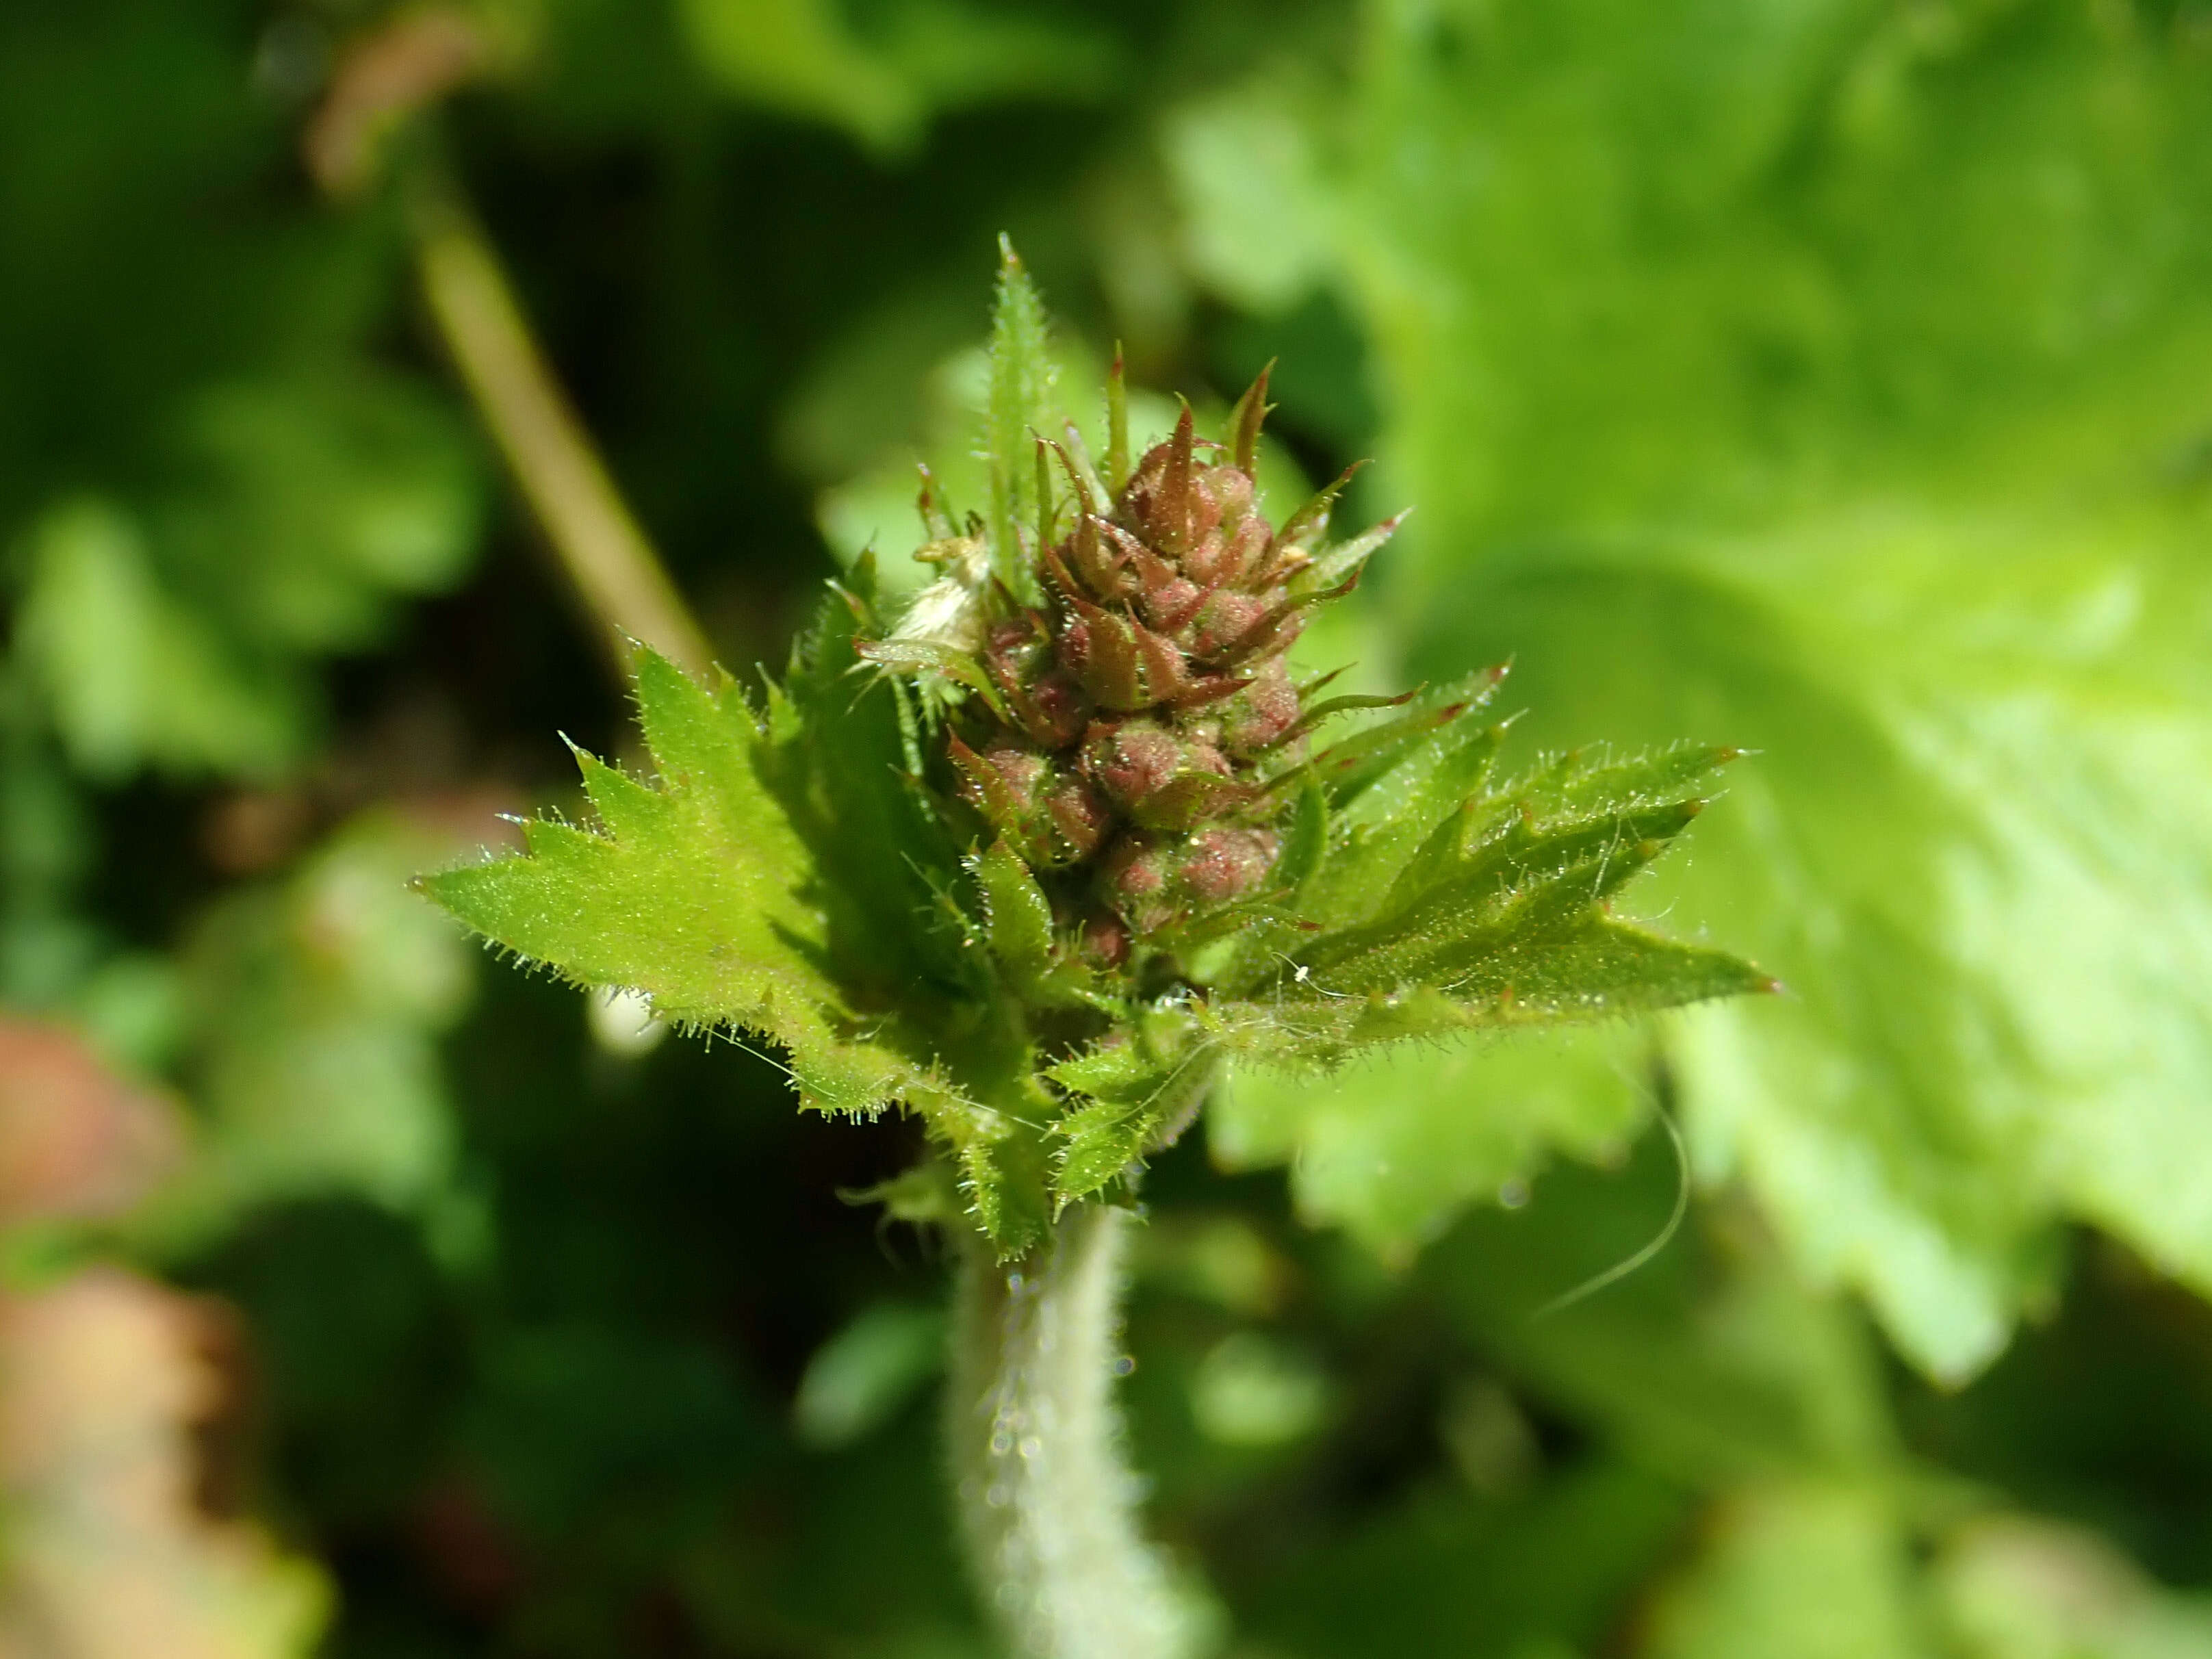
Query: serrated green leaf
x=1575, y=785
x=1462, y=901
x=708, y=894
x=696, y=895
x=844, y=776
x=1504, y=977
x=1441, y=909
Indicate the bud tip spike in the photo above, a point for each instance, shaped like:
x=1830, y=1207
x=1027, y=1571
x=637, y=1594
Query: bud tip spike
x=1245, y=420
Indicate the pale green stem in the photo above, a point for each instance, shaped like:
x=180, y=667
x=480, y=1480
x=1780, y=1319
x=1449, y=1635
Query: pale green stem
x=615, y=573
x=1048, y=1503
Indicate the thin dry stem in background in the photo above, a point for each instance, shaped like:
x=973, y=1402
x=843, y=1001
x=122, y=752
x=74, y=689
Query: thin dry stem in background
x=382, y=81
x=601, y=545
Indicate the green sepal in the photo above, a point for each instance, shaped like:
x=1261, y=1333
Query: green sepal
x=1591, y=969
x=1018, y=917
x=1305, y=843
x=920, y=657
x=1001, y=1155
x=1339, y=559
x=1351, y=766
x=1137, y=1092
x=1017, y=403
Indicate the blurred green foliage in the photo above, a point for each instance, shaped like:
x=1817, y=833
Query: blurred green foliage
x=1827, y=377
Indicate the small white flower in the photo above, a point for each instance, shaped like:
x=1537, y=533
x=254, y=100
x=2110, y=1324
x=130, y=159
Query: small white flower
x=950, y=611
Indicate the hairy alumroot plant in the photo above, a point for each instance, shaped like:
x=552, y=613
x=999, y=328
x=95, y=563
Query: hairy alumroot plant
x=1037, y=856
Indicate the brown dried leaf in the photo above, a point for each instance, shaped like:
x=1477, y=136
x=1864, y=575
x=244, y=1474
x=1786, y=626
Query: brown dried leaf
x=109, y=1555
x=77, y=1141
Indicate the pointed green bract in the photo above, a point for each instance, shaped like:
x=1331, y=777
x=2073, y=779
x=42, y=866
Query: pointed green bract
x=1019, y=406
x=1019, y=916
x=1131, y=1094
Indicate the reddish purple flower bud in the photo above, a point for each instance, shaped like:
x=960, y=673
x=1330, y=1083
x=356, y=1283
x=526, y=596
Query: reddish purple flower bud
x=1048, y=704
x=1079, y=817
x=1099, y=647
x=1053, y=709
x=1135, y=878
x=1224, y=621
x=1163, y=778
x=1052, y=816
x=1249, y=551
x=1169, y=606
x=1228, y=492
x=1105, y=938
x=1092, y=552
x=1135, y=714
x=1158, y=502
x=1258, y=716
x=1133, y=760
x=1220, y=865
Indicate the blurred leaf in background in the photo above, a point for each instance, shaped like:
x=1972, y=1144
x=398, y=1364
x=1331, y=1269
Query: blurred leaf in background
x=882, y=69
x=132, y=674
x=315, y=1005
x=208, y=483
x=108, y=1551
x=106, y=1379
x=1826, y=378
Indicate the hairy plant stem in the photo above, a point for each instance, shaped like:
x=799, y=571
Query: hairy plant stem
x=1048, y=1503
x=614, y=570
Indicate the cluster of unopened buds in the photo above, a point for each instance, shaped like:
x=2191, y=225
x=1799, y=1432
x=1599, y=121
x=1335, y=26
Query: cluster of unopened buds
x=1134, y=722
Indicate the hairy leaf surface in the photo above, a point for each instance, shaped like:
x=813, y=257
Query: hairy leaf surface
x=747, y=890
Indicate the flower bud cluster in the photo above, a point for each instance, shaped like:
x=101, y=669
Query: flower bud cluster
x=1134, y=731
